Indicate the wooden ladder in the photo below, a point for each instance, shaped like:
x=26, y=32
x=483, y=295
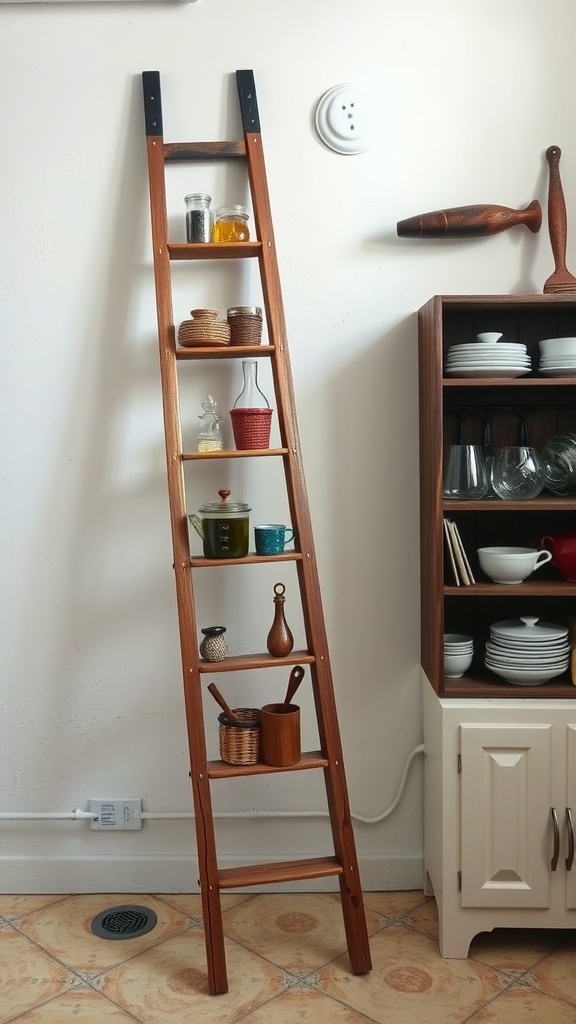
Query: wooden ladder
x=342, y=862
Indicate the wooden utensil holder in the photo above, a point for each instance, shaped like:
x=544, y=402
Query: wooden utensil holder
x=280, y=735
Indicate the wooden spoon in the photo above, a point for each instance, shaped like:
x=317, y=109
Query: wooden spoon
x=296, y=677
x=213, y=689
x=561, y=280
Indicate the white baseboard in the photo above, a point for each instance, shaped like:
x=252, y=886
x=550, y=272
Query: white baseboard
x=37, y=875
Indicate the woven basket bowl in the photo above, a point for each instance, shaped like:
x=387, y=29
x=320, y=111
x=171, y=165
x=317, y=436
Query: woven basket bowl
x=240, y=742
x=251, y=428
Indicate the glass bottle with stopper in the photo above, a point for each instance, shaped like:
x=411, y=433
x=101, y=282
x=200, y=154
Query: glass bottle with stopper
x=209, y=434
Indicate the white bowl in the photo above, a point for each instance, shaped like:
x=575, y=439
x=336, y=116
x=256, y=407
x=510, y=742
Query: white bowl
x=522, y=677
x=489, y=337
x=457, y=638
x=558, y=347
x=455, y=665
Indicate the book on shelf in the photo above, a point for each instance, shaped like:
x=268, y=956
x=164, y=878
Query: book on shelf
x=450, y=551
x=460, y=565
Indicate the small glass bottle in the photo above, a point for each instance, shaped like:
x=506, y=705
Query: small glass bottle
x=251, y=397
x=230, y=224
x=198, y=217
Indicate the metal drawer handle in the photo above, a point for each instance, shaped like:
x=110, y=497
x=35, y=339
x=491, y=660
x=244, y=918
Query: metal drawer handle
x=556, y=830
x=571, y=838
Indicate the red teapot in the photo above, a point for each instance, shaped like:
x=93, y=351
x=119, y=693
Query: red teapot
x=563, y=549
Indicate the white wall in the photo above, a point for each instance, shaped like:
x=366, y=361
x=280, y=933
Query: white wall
x=468, y=95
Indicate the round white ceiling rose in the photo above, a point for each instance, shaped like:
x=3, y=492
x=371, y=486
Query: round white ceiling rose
x=341, y=119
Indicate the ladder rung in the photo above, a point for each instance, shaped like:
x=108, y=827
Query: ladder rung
x=234, y=454
x=213, y=250
x=203, y=150
x=222, y=770
x=245, y=661
x=226, y=352
x=287, y=556
x=283, y=871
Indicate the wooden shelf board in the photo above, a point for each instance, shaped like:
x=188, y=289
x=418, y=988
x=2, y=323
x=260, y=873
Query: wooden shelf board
x=253, y=559
x=222, y=351
x=543, y=503
x=506, y=382
x=477, y=686
x=283, y=871
x=548, y=588
x=213, y=250
x=241, y=662
x=222, y=770
x=246, y=453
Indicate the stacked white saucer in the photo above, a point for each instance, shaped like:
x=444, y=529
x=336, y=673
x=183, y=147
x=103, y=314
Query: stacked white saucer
x=488, y=357
x=558, y=357
x=526, y=651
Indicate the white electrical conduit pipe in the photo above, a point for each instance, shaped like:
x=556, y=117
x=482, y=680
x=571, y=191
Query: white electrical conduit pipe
x=79, y=815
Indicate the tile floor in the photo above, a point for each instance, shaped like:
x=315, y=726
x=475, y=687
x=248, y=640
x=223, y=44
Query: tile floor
x=286, y=965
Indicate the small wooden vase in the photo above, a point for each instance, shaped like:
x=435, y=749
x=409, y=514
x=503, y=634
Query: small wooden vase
x=280, y=640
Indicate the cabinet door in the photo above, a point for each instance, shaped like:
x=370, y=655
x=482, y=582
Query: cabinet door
x=570, y=862
x=505, y=814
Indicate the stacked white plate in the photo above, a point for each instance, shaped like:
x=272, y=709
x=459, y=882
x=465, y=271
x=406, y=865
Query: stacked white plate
x=558, y=357
x=526, y=651
x=488, y=357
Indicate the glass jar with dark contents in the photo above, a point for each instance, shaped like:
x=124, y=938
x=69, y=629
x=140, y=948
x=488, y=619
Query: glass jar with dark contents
x=198, y=217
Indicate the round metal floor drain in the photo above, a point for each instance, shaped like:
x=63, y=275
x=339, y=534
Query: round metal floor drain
x=126, y=922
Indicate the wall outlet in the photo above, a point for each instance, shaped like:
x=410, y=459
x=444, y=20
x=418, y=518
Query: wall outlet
x=116, y=815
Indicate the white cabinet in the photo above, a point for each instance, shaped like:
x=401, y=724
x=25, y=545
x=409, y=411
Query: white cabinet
x=500, y=799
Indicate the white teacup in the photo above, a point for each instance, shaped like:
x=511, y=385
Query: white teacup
x=511, y=564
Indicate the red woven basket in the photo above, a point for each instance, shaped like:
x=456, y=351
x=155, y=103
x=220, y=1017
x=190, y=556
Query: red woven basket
x=251, y=428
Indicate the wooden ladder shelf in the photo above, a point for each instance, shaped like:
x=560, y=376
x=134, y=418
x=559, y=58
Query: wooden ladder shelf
x=341, y=861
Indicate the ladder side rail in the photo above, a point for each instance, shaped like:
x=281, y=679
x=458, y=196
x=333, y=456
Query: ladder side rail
x=207, y=862
x=322, y=684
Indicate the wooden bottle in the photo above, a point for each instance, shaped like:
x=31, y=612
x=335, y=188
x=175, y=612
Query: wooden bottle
x=280, y=640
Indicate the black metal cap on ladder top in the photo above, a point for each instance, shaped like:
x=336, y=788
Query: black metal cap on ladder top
x=152, y=102
x=248, y=101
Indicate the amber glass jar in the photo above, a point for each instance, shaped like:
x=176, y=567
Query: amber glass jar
x=230, y=224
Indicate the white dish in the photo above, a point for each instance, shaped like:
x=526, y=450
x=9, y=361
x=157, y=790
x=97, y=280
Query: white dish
x=558, y=346
x=502, y=371
x=528, y=627
x=503, y=346
x=493, y=360
x=522, y=678
x=564, y=371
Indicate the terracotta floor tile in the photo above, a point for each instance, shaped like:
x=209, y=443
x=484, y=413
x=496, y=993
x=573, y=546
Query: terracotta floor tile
x=63, y=929
x=190, y=903
x=395, y=904
x=296, y=931
x=28, y=976
x=424, y=918
x=17, y=906
x=169, y=983
x=82, y=1006
x=556, y=975
x=410, y=983
x=520, y=1004
x=514, y=950
x=302, y=1006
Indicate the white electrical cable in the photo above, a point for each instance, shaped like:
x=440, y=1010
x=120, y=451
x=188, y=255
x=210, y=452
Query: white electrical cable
x=177, y=815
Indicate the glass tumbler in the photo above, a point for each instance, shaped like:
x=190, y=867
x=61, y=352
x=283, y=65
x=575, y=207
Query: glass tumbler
x=465, y=472
x=517, y=473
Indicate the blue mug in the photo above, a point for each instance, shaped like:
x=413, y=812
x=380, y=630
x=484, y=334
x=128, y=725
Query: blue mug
x=271, y=538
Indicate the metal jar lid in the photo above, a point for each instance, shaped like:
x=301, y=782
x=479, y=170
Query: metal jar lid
x=244, y=311
x=224, y=507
